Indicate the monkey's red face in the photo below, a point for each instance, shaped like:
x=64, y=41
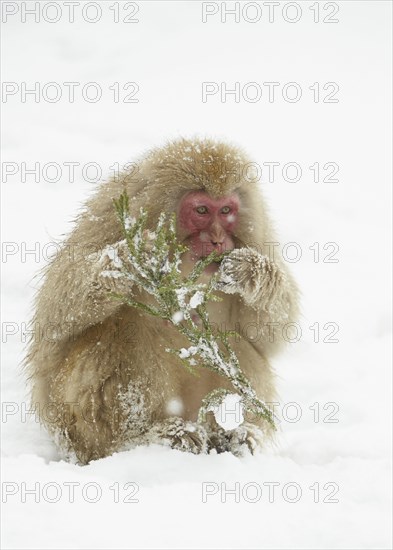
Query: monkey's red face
x=208, y=224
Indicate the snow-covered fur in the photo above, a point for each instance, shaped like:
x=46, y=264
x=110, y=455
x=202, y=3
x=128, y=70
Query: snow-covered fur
x=101, y=377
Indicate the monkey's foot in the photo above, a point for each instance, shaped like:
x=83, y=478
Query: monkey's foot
x=179, y=434
x=218, y=440
x=245, y=439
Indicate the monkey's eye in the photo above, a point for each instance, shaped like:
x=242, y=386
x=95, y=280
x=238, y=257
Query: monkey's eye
x=201, y=209
x=225, y=210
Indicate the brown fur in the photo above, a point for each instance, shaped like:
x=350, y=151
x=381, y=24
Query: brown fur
x=100, y=373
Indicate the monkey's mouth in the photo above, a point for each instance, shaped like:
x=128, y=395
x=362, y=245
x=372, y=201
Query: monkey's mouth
x=209, y=248
x=200, y=250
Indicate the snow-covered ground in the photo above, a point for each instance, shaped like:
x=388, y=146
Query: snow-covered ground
x=341, y=446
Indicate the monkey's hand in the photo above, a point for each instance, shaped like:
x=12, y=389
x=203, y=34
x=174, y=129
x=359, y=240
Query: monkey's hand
x=246, y=272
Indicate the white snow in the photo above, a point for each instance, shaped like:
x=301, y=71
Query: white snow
x=111, y=274
x=128, y=222
x=196, y=299
x=187, y=352
x=229, y=414
x=334, y=398
x=177, y=317
x=112, y=252
x=175, y=406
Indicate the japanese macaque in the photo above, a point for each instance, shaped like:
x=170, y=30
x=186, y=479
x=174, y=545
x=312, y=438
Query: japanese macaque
x=102, y=380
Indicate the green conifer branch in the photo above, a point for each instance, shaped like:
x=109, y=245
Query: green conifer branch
x=155, y=268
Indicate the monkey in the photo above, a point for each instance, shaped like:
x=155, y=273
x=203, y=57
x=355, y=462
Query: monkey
x=101, y=378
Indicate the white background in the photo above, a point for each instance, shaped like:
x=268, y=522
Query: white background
x=169, y=53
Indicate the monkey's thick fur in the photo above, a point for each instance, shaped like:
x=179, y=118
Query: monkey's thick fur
x=101, y=378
